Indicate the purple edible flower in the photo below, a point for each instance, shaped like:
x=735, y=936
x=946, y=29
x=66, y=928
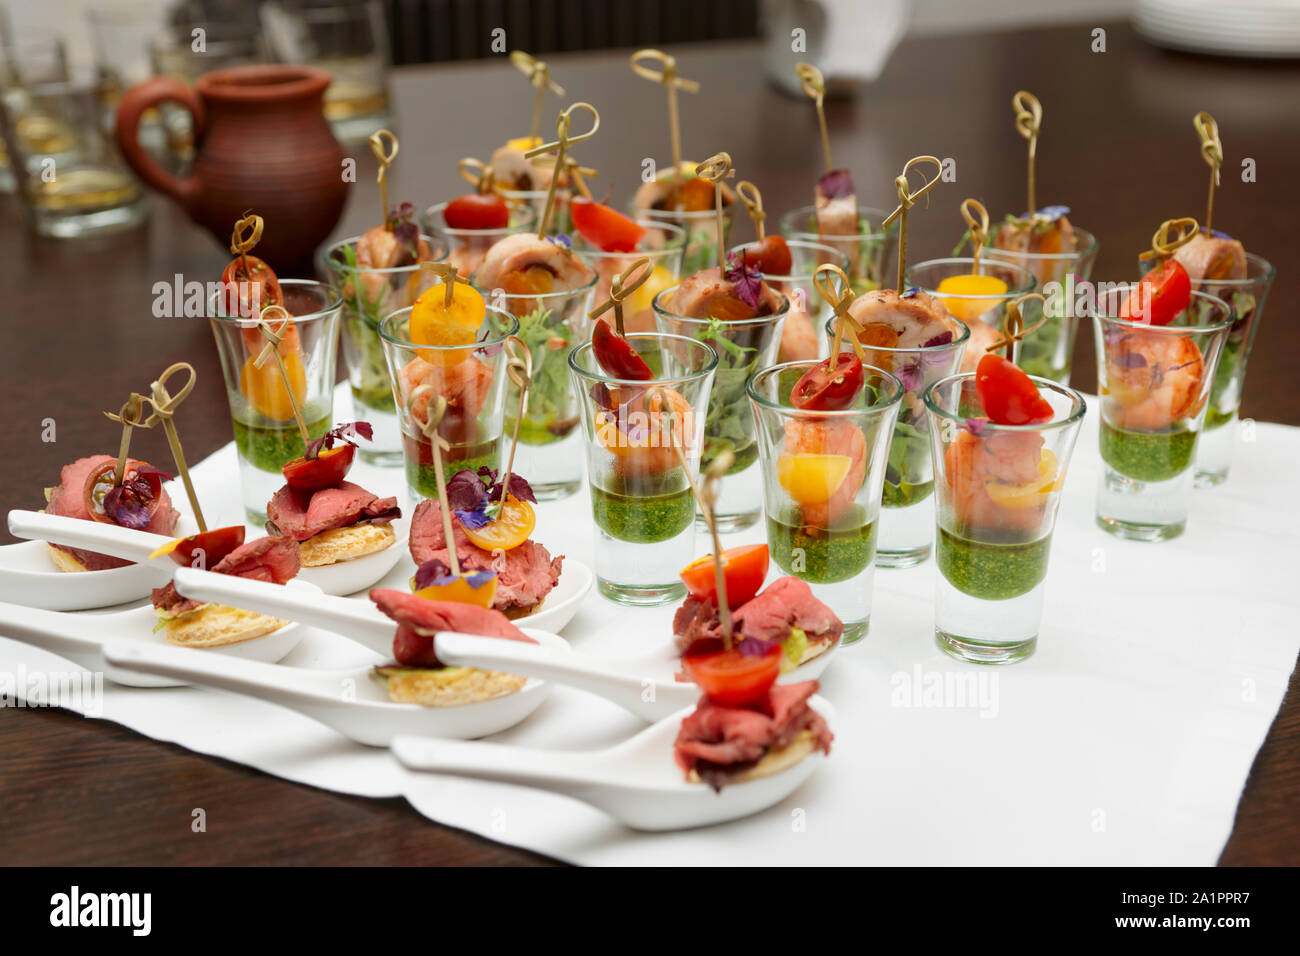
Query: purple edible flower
x=1219, y=235
x=1049, y=212
x=561, y=239
x=473, y=519
x=436, y=572
x=910, y=292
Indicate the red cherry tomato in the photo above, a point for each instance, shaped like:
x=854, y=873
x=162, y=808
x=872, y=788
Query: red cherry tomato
x=326, y=470
x=1008, y=395
x=477, y=211
x=616, y=357
x=771, y=257
x=822, y=390
x=733, y=679
x=605, y=227
x=209, y=546
x=100, y=482
x=1169, y=289
x=244, y=278
x=743, y=570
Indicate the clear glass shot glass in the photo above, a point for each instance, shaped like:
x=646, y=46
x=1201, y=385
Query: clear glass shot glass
x=1247, y=297
x=997, y=491
x=700, y=227
x=663, y=244
x=549, y=454
x=1048, y=352
x=368, y=296
x=906, y=506
x=467, y=247
x=744, y=346
x=869, y=252
x=981, y=313
x=261, y=414
x=802, y=335
x=473, y=380
x=535, y=200
x=822, y=474
x=637, y=434
x=1154, y=385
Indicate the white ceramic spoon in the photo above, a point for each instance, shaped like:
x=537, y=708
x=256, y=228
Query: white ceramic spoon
x=636, y=782
x=347, y=700
x=80, y=638
x=28, y=576
x=345, y=577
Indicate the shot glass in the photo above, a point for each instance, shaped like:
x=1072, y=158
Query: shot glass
x=33, y=60
x=549, y=453
x=997, y=491
x=700, y=228
x=1154, y=383
x=869, y=252
x=986, y=310
x=368, y=296
x=472, y=378
x=663, y=244
x=822, y=474
x=637, y=434
x=261, y=414
x=534, y=200
x=467, y=247
x=1049, y=351
x=802, y=335
x=744, y=346
x=1247, y=297
x=906, y=505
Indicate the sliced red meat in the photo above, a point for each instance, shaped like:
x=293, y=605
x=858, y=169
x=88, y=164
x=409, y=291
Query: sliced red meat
x=273, y=559
x=419, y=619
x=786, y=603
x=300, y=514
x=696, y=620
x=68, y=501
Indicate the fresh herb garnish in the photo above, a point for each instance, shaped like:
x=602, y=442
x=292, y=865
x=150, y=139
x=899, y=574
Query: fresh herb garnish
x=401, y=223
x=836, y=184
x=748, y=284
x=345, y=432
x=436, y=572
x=132, y=503
x=470, y=494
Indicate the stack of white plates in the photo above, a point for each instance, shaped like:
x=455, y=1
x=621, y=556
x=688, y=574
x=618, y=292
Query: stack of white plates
x=1251, y=28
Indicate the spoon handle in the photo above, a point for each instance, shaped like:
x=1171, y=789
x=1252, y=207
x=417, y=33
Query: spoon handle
x=354, y=619
x=125, y=543
x=272, y=682
x=52, y=631
x=557, y=770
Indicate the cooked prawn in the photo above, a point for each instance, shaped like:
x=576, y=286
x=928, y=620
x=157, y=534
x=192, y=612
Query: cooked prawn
x=1152, y=380
x=972, y=463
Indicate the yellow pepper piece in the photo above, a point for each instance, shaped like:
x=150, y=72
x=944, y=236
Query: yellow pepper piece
x=971, y=285
x=459, y=590
x=1033, y=493
x=812, y=479
x=640, y=300
x=265, y=390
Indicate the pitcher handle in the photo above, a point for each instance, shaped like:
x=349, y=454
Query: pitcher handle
x=138, y=99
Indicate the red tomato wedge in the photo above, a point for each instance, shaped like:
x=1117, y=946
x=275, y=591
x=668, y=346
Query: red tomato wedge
x=605, y=227
x=733, y=679
x=771, y=256
x=1008, y=395
x=100, y=482
x=743, y=571
x=822, y=390
x=477, y=211
x=247, y=279
x=1160, y=297
x=616, y=356
x=326, y=470
x=208, y=547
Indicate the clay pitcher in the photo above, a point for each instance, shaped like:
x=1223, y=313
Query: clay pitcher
x=262, y=144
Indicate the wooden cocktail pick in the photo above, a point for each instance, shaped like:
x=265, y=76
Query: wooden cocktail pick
x=1172, y=234
x=667, y=75
x=447, y=272
x=1029, y=120
x=1013, y=323
x=272, y=350
x=563, y=141
x=437, y=408
x=753, y=200
x=1212, y=152
x=977, y=226
x=906, y=200
x=478, y=173
x=813, y=83
x=539, y=76
x=384, y=154
x=164, y=406
x=241, y=245
x=131, y=416
x=620, y=288
x=839, y=300
x=715, y=169
x=519, y=369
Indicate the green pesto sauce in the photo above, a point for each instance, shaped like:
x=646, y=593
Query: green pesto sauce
x=643, y=518
x=821, y=555
x=992, y=572
x=1147, y=456
x=902, y=495
x=541, y=433
x=745, y=456
x=1216, y=418
x=424, y=478
x=269, y=447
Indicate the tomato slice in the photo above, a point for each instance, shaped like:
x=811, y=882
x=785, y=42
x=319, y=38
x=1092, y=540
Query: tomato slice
x=479, y=588
x=208, y=546
x=477, y=211
x=616, y=356
x=433, y=322
x=326, y=470
x=733, y=679
x=100, y=482
x=245, y=277
x=823, y=390
x=694, y=195
x=1161, y=296
x=771, y=256
x=511, y=527
x=605, y=227
x=743, y=570
x=1008, y=395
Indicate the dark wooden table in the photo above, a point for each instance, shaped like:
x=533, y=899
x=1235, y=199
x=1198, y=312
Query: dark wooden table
x=1117, y=146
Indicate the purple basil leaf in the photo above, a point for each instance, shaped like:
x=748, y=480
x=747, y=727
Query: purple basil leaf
x=754, y=647
x=909, y=374
x=748, y=284
x=519, y=488
x=130, y=504
x=1130, y=360
x=943, y=338
x=465, y=492
x=430, y=572
x=835, y=184
x=976, y=426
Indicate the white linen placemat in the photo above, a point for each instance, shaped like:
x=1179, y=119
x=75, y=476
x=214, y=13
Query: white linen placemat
x=1125, y=740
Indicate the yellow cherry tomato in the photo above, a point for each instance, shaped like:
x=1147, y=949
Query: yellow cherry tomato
x=640, y=300
x=524, y=143
x=812, y=479
x=970, y=285
x=265, y=390
x=1031, y=494
x=459, y=590
x=512, y=526
x=433, y=322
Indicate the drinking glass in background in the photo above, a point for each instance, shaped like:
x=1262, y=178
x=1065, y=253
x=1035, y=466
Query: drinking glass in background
x=907, y=512
x=349, y=40
x=261, y=413
x=1246, y=296
x=535, y=200
x=34, y=60
x=997, y=492
x=1049, y=351
x=822, y=473
x=801, y=336
x=119, y=36
x=983, y=313
x=641, y=499
x=663, y=244
x=467, y=247
x=700, y=227
x=549, y=453
x=1154, y=382
x=368, y=296
x=869, y=252
x=744, y=346
x=71, y=180
x=471, y=378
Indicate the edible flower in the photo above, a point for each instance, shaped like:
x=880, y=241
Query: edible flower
x=133, y=503
x=345, y=432
x=976, y=426
x=469, y=494
x=748, y=284
x=435, y=572
x=754, y=647
x=561, y=239
x=401, y=222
